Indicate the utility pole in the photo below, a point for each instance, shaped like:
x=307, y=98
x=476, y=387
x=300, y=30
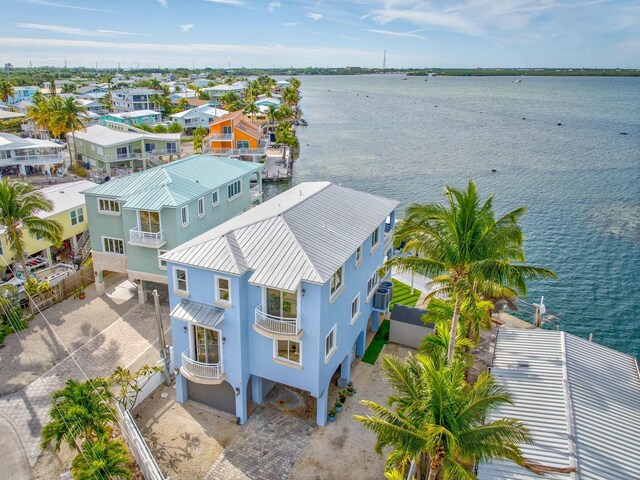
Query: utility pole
x=164, y=349
x=384, y=61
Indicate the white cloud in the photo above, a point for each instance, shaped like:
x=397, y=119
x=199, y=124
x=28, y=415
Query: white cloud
x=391, y=33
x=289, y=24
x=228, y=2
x=186, y=28
x=71, y=30
x=63, y=5
x=314, y=16
x=163, y=3
x=274, y=5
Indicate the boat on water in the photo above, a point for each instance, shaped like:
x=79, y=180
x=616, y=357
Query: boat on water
x=519, y=80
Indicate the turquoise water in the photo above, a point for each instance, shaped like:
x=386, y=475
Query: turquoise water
x=406, y=139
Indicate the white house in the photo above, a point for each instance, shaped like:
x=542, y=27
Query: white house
x=197, y=117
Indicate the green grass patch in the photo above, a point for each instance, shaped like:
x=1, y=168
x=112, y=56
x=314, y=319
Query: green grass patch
x=402, y=294
x=379, y=341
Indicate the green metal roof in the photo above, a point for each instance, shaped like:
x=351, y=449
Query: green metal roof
x=176, y=183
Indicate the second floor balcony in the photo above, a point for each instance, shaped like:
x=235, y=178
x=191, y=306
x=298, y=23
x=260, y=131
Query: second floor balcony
x=276, y=326
x=146, y=239
x=200, y=372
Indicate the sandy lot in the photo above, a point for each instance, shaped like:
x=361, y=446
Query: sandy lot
x=184, y=439
x=346, y=445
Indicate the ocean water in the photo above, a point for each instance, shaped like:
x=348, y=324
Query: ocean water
x=407, y=139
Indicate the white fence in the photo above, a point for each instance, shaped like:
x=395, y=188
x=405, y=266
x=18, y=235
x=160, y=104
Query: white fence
x=132, y=435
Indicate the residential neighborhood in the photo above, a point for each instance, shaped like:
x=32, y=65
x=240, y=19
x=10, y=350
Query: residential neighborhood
x=186, y=296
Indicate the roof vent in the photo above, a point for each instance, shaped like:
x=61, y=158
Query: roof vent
x=300, y=192
x=523, y=365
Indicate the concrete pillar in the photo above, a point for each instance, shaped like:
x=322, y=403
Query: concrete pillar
x=47, y=252
x=257, y=393
x=142, y=294
x=241, y=403
x=74, y=244
x=322, y=407
x=345, y=370
x=361, y=343
x=181, y=389
x=375, y=321
x=100, y=286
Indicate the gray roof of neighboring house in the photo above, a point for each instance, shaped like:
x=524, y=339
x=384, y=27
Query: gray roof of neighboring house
x=412, y=315
x=65, y=196
x=108, y=137
x=175, y=183
x=5, y=114
x=580, y=401
x=9, y=141
x=198, y=313
x=134, y=114
x=303, y=234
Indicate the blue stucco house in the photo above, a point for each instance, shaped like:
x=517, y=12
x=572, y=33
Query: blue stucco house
x=282, y=293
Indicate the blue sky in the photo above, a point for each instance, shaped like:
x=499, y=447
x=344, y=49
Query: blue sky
x=415, y=33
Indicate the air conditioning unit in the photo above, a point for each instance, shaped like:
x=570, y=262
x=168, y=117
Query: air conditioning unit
x=382, y=299
x=389, y=286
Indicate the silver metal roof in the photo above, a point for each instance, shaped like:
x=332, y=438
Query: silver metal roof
x=580, y=401
x=198, y=313
x=303, y=234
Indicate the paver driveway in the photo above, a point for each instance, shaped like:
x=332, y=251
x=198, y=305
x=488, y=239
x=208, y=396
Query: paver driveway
x=267, y=448
x=129, y=341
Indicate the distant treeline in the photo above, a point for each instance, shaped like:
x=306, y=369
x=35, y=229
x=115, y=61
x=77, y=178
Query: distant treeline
x=40, y=75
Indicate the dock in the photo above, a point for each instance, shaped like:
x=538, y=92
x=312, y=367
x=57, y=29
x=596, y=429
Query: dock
x=275, y=168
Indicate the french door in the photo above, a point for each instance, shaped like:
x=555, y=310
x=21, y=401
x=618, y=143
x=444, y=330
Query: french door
x=207, y=348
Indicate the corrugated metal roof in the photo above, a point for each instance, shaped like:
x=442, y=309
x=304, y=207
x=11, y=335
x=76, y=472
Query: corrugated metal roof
x=171, y=185
x=198, y=313
x=303, y=234
x=580, y=400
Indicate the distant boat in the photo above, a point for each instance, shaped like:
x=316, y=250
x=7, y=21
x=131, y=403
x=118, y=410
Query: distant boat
x=518, y=81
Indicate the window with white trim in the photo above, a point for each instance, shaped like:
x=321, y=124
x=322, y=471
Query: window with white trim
x=372, y=284
x=180, y=283
x=201, y=207
x=77, y=216
x=162, y=264
x=337, y=280
x=184, y=215
x=111, y=207
x=375, y=238
x=330, y=343
x=223, y=290
x=215, y=198
x=234, y=189
x=113, y=245
x=355, y=308
x=287, y=350
x=358, y=256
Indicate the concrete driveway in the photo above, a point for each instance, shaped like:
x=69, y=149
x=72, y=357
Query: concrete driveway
x=100, y=332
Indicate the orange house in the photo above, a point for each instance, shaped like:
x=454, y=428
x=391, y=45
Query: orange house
x=234, y=135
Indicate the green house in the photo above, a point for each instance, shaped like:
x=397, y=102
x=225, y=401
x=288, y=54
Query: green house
x=135, y=219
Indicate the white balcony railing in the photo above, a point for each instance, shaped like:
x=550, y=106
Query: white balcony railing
x=123, y=157
x=40, y=159
x=255, y=193
x=146, y=238
x=204, y=371
x=170, y=151
x=277, y=325
x=220, y=137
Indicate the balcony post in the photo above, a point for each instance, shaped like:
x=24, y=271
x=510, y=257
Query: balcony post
x=241, y=401
x=257, y=393
x=181, y=388
x=322, y=403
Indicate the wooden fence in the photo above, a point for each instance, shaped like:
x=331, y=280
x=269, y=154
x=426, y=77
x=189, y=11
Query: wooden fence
x=63, y=290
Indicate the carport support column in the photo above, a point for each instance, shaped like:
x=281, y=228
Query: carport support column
x=241, y=402
x=142, y=294
x=375, y=321
x=100, y=287
x=322, y=407
x=361, y=343
x=257, y=393
x=345, y=369
x=181, y=389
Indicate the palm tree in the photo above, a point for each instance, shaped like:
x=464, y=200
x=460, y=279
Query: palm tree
x=286, y=112
x=107, y=102
x=228, y=100
x=294, y=82
x=102, y=460
x=475, y=315
x=441, y=421
x=80, y=410
x=154, y=84
x=466, y=249
x=290, y=96
x=6, y=91
x=436, y=344
x=19, y=208
x=66, y=119
x=286, y=137
x=251, y=109
x=69, y=88
x=272, y=114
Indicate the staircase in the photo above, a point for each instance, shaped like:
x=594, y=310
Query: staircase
x=83, y=249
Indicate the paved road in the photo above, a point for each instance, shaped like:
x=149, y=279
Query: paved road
x=129, y=341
